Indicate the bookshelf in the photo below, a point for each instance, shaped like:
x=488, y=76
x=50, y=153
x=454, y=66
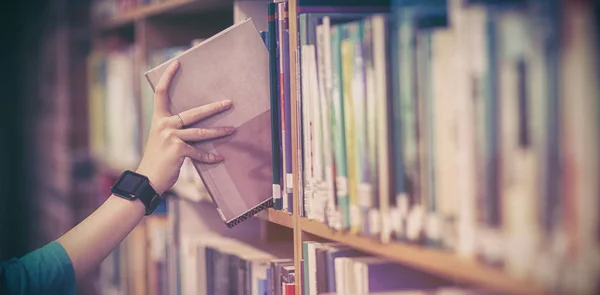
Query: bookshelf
x=443, y=263
x=173, y=22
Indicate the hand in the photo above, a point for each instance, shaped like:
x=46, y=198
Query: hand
x=167, y=145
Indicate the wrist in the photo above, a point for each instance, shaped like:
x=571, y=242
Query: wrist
x=153, y=179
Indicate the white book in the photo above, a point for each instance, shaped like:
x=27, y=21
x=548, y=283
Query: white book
x=465, y=176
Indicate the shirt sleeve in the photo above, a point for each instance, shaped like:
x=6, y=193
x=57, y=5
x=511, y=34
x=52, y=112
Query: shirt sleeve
x=47, y=270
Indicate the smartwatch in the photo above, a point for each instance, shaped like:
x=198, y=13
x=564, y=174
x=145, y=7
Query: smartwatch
x=131, y=186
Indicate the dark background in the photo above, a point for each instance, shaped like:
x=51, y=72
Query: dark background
x=43, y=122
x=21, y=25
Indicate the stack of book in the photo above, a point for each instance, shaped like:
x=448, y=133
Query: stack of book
x=336, y=268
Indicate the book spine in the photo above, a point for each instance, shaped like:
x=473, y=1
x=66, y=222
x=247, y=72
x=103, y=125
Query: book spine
x=347, y=58
x=274, y=95
x=422, y=124
x=333, y=213
x=307, y=132
x=280, y=25
x=381, y=48
x=289, y=182
x=316, y=153
x=363, y=188
x=299, y=126
x=371, y=222
x=409, y=202
x=327, y=195
x=338, y=130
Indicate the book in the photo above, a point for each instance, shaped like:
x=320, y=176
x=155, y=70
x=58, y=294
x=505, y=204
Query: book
x=232, y=65
x=274, y=101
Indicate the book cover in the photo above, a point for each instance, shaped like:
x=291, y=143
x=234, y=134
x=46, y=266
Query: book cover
x=234, y=65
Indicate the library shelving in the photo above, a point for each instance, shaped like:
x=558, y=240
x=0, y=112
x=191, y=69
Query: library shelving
x=174, y=24
x=440, y=262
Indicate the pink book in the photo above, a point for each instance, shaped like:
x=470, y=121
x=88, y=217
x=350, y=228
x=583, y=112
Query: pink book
x=232, y=65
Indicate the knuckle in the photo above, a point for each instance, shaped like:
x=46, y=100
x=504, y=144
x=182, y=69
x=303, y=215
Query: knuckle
x=180, y=147
x=202, y=133
x=160, y=90
x=163, y=123
x=199, y=112
x=168, y=133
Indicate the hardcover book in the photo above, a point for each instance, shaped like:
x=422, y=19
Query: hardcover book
x=233, y=65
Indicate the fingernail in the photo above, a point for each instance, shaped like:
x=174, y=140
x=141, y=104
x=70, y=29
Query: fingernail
x=227, y=103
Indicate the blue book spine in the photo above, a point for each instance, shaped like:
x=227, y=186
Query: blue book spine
x=274, y=96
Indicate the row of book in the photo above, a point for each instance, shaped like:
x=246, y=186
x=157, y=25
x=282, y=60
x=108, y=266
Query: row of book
x=333, y=268
x=277, y=42
x=465, y=125
x=228, y=266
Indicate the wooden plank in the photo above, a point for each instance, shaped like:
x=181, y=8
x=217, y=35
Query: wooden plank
x=276, y=216
x=293, y=44
x=438, y=262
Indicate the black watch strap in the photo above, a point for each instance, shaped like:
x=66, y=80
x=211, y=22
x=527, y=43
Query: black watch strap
x=148, y=197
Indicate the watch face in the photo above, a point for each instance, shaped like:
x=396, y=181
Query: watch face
x=128, y=184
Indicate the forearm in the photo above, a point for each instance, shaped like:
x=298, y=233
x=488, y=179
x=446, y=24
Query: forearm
x=90, y=242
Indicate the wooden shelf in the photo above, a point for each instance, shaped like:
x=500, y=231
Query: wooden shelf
x=276, y=216
x=171, y=7
x=444, y=264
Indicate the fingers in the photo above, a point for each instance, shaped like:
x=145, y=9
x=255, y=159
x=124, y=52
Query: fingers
x=161, y=91
x=198, y=134
x=198, y=155
x=194, y=115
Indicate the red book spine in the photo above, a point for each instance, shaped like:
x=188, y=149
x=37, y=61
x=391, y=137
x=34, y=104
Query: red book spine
x=290, y=289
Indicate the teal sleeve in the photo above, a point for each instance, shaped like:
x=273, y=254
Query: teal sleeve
x=47, y=271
